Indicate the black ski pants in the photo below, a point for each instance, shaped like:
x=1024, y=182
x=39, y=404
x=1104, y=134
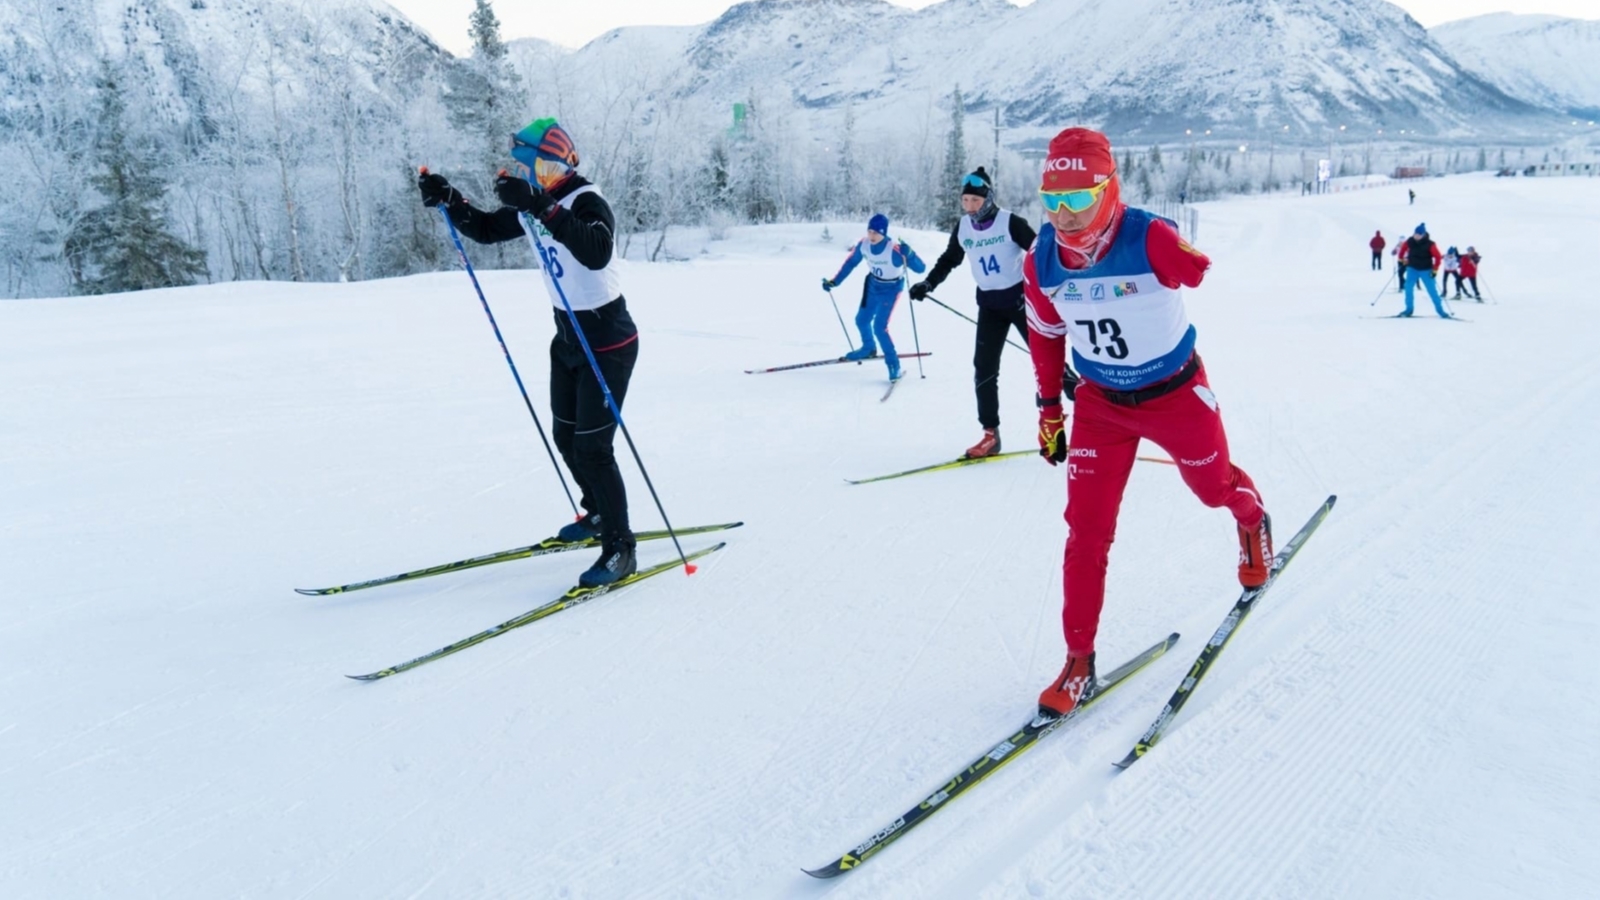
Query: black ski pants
x=1377, y=260
x=584, y=428
x=993, y=326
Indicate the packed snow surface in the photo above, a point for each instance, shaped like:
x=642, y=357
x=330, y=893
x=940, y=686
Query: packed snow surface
x=1410, y=713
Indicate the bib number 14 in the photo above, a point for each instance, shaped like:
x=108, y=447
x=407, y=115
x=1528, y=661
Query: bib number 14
x=1115, y=347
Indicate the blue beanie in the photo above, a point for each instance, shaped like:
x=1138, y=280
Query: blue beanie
x=879, y=223
x=1422, y=228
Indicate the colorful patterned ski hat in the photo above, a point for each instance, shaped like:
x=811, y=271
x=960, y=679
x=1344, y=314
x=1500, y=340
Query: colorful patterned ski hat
x=544, y=139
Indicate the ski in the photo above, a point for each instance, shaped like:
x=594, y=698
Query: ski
x=892, y=383
x=972, y=461
x=1230, y=625
x=1004, y=752
x=543, y=548
x=828, y=362
x=574, y=596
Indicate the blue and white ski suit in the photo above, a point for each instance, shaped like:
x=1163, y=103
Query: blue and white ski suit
x=887, y=261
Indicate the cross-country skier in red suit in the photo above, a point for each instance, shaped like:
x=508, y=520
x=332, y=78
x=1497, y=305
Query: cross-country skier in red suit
x=1110, y=278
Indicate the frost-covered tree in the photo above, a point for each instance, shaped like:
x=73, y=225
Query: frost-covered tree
x=486, y=104
x=125, y=244
x=955, y=162
x=849, y=180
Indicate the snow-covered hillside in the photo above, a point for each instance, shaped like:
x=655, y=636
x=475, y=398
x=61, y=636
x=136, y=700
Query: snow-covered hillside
x=1544, y=60
x=1406, y=716
x=199, y=63
x=1152, y=68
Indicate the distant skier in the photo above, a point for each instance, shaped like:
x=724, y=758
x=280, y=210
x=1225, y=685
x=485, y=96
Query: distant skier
x=1422, y=262
x=1413, y=195
x=1399, y=267
x=1109, y=276
x=1452, y=271
x=998, y=240
x=1377, y=244
x=580, y=224
x=1469, y=271
x=887, y=262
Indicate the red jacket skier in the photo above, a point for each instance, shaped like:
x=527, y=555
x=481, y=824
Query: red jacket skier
x=1377, y=244
x=1109, y=277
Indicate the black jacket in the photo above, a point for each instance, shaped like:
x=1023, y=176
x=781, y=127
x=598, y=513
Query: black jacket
x=1008, y=298
x=587, y=231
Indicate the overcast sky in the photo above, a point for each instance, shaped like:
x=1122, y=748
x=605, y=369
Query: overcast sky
x=575, y=24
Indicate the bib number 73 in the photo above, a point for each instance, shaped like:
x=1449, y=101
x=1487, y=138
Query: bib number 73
x=1115, y=347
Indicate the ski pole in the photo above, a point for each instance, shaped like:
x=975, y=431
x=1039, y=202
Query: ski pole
x=1384, y=291
x=849, y=343
x=456, y=239
x=974, y=321
x=548, y=260
x=916, y=341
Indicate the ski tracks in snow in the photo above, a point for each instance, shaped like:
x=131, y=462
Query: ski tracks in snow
x=1281, y=781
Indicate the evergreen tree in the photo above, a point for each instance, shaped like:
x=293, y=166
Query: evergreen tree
x=848, y=202
x=955, y=164
x=757, y=175
x=124, y=245
x=486, y=103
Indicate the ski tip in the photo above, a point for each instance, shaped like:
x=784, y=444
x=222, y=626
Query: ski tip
x=826, y=872
x=371, y=676
x=1172, y=639
x=312, y=592
x=1332, y=499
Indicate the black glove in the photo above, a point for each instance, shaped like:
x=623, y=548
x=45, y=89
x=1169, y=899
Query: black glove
x=920, y=290
x=521, y=195
x=1069, y=384
x=436, y=190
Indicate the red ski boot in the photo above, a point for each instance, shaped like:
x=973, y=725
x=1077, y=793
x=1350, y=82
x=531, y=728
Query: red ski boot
x=1255, y=553
x=988, y=445
x=1075, y=684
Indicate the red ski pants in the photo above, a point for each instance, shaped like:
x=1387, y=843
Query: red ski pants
x=1105, y=439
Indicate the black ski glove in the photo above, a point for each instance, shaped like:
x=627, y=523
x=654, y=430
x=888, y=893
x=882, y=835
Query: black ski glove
x=521, y=195
x=920, y=290
x=437, y=191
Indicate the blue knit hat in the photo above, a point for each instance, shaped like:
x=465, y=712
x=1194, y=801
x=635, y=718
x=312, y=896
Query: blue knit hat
x=879, y=223
x=1422, y=228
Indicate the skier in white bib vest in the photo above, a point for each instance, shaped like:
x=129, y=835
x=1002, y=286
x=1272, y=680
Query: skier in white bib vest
x=578, y=227
x=995, y=241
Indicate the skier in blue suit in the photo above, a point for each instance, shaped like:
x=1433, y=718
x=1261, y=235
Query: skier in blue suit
x=887, y=261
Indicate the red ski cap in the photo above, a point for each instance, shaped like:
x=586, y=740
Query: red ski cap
x=1079, y=158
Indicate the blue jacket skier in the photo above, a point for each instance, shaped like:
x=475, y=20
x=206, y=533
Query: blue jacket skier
x=887, y=261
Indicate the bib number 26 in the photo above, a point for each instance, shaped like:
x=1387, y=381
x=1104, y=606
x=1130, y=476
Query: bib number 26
x=551, y=263
x=1115, y=347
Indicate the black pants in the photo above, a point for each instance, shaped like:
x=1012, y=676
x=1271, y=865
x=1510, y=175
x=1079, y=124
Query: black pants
x=584, y=428
x=1446, y=287
x=1473, y=280
x=993, y=326
x=1377, y=260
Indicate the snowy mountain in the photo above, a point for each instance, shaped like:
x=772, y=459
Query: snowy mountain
x=1543, y=60
x=1148, y=68
x=200, y=60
